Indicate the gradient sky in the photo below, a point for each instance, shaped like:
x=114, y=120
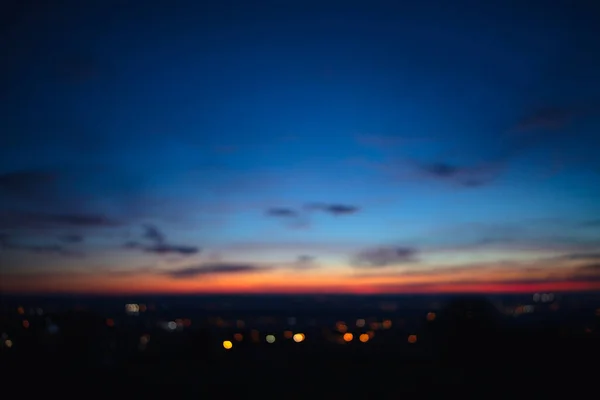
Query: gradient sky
x=299, y=146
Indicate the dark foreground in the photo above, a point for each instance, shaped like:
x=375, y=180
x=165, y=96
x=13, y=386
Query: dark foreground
x=468, y=351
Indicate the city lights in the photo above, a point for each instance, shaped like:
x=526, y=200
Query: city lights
x=299, y=337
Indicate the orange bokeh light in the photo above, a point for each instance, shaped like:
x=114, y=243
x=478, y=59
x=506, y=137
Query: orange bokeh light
x=348, y=337
x=341, y=327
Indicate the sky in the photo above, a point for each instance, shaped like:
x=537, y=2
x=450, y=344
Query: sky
x=299, y=146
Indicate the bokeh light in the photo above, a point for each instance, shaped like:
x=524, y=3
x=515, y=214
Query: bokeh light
x=270, y=339
x=412, y=338
x=299, y=337
x=341, y=327
x=364, y=338
x=144, y=339
x=360, y=322
x=431, y=316
x=227, y=345
x=238, y=337
x=348, y=337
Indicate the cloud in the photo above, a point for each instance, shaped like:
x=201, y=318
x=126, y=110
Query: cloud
x=72, y=238
x=384, y=256
x=43, y=220
x=280, y=212
x=579, y=256
x=154, y=234
x=552, y=234
x=171, y=249
x=292, y=218
x=334, y=209
x=7, y=243
x=213, y=269
x=546, y=118
x=589, y=271
x=159, y=243
x=465, y=176
x=305, y=262
x=301, y=218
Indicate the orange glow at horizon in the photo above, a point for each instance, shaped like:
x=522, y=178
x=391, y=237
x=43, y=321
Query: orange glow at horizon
x=283, y=283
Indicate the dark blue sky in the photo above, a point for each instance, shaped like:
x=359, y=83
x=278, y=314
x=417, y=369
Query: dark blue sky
x=269, y=142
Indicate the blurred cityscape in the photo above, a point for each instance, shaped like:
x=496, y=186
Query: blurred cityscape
x=155, y=336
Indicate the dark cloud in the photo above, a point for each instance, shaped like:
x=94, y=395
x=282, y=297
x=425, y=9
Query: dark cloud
x=282, y=212
x=154, y=234
x=580, y=256
x=384, y=256
x=172, y=249
x=334, y=209
x=135, y=271
x=465, y=176
x=546, y=118
x=72, y=238
x=41, y=220
x=292, y=218
x=8, y=244
x=305, y=262
x=213, y=269
x=160, y=244
x=589, y=270
x=306, y=259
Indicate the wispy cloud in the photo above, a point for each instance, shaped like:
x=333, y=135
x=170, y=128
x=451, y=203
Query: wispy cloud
x=384, y=256
x=153, y=234
x=305, y=262
x=334, y=209
x=281, y=212
x=159, y=244
x=213, y=269
x=462, y=175
x=546, y=118
x=7, y=243
x=47, y=220
x=71, y=238
x=172, y=249
x=300, y=218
